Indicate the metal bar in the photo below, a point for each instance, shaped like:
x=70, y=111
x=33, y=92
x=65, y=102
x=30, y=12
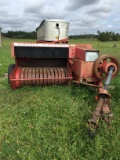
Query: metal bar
x=40, y=79
x=88, y=84
x=111, y=70
x=102, y=97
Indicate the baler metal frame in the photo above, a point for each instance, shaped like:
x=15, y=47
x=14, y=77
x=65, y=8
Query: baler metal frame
x=30, y=70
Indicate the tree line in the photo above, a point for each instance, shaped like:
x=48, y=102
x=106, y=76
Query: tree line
x=108, y=36
x=20, y=34
x=101, y=36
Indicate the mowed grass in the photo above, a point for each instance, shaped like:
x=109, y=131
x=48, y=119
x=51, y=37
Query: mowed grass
x=49, y=123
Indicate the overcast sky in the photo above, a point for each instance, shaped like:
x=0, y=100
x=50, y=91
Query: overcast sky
x=83, y=15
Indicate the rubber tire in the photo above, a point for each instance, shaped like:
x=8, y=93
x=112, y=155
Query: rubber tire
x=10, y=69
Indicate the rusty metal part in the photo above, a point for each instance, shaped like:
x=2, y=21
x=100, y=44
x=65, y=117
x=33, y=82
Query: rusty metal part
x=54, y=42
x=37, y=76
x=33, y=76
x=102, y=65
x=102, y=111
x=103, y=92
x=22, y=76
x=98, y=110
x=107, y=113
x=93, y=123
x=103, y=108
x=42, y=76
x=108, y=117
x=106, y=108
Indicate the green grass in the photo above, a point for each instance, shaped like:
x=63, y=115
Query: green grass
x=103, y=47
x=49, y=123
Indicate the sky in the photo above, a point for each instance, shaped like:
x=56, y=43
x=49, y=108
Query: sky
x=83, y=15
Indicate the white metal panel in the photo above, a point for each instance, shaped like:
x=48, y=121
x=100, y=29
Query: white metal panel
x=40, y=45
x=49, y=32
x=91, y=56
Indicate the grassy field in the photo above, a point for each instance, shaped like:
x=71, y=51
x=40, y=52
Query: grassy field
x=49, y=123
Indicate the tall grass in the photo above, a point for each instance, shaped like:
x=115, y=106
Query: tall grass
x=49, y=123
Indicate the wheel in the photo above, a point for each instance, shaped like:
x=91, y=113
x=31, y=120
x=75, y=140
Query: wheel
x=10, y=69
x=102, y=64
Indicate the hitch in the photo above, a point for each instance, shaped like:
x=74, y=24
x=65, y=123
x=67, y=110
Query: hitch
x=103, y=109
